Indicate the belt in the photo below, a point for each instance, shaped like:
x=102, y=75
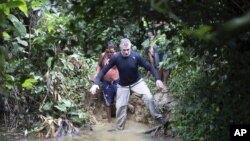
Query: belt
x=130, y=86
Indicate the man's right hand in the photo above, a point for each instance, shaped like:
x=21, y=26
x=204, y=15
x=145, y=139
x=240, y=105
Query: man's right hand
x=93, y=89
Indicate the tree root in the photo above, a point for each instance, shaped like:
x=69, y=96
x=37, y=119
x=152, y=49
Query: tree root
x=154, y=131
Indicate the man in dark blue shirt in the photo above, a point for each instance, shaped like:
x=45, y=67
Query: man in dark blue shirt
x=127, y=63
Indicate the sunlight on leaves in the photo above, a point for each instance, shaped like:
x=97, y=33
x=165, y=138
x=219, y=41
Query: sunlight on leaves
x=28, y=83
x=23, y=7
x=6, y=35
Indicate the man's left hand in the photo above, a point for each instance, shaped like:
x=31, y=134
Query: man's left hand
x=93, y=89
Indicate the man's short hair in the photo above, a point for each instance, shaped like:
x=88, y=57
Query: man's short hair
x=125, y=43
x=110, y=44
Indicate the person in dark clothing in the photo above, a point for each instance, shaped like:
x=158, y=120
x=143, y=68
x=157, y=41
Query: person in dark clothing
x=127, y=63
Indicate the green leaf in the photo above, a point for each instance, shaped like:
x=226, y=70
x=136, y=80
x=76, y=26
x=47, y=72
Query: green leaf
x=74, y=113
x=23, y=7
x=17, y=48
x=178, y=51
x=145, y=43
x=82, y=115
x=212, y=83
x=13, y=4
x=6, y=35
x=61, y=107
x=70, y=66
x=35, y=4
x=20, y=28
x=50, y=27
x=9, y=86
x=10, y=78
x=67, y=103
x=7, y=11
x=22, y=42
x=49, y=62
x=28, y=83
x=48, y=106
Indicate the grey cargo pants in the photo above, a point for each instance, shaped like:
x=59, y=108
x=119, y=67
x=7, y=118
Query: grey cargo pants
x=122, y=98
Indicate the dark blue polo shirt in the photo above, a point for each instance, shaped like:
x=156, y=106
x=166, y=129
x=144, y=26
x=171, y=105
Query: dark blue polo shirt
x=128, y=68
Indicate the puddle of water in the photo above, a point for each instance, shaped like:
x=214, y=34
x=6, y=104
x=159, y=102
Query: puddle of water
x=132, y=132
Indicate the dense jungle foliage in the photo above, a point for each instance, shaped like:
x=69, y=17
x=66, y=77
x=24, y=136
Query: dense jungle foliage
x=49, y=48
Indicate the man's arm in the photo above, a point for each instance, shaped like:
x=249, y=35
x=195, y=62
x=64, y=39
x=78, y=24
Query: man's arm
x=150, y=68
x=150, y=55
x=142, y=62
x=100, y=75
x=99, y=64
x=104, y=70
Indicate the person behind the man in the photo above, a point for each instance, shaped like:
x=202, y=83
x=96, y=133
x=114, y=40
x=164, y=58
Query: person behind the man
x=110, y=80
x=127, y=63
x=156, y=57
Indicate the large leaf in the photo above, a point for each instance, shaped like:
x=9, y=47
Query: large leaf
x=61, y=107
x=21, y=4
x=22, y=42
x=20, y=28
x=67, y=103
x=23, y=7
x=47, y=106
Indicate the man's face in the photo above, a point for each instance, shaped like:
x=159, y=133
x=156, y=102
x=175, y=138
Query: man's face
x=125, y=51
x=110, y=52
